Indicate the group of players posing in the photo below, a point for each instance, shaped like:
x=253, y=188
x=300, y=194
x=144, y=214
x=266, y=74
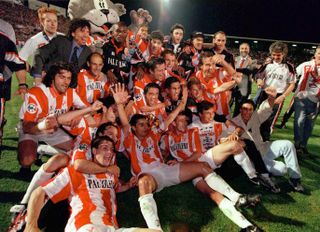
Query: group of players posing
x=174, y=125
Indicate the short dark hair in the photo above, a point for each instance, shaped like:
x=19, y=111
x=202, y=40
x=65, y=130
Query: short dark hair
x=166, y=52
x=188, y=113
x=103, y=127
x=99, y=139
x=248, y=101
x=153, y=62
x=151, y=85
x=77, y=23
x=157, y=35
x=204, y=105
x=56, y=68
x=205, y=54
x=135, y=118
x=176, y=26
x=169, y=81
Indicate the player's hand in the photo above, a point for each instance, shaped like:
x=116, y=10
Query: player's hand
x=172, y=162
x=114, y=169
x=22, y=90
x=99, y=77
x=133, y=181
x=97, y=105
x=51, y=123
x=233, y=137
x=217, y=59
x=112, y=79
x=120, y=94
x=271, y=91
x=279, y=99
x=260, y=83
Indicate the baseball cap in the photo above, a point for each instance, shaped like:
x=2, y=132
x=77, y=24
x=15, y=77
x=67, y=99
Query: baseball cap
x=197, y=34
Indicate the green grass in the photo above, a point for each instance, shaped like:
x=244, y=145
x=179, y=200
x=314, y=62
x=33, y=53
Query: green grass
x=183, y=205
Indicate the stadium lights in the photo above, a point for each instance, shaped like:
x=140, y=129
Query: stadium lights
x=314, y=47
x=294, y=45
x=236, y=41
x=255, y=41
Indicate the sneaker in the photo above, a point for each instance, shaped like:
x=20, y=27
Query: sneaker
x=266, y=182
x=18, y=208
x=255, y=180
x=246, y=200
x=251, y=229
x=296, y=185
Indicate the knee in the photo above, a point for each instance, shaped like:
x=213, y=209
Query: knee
x=205, y=169
x=236, y=147
x=146, y=182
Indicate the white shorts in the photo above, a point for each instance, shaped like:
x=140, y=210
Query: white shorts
x=100, y=228
x=165, y=175
x=58, y=137
x=207, y=158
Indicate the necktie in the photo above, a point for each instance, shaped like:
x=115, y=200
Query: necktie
x=242, y=62
x=74, y=57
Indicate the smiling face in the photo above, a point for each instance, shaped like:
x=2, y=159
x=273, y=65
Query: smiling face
x=156, y=45
x=152, y=96
x=246, y=112
x=142, y=128
x=95, y=64
x=277, y=57
x=81, y=35
x=177, y=35
x=219, y=42
x=49, y=23
x=197, y=42
x=207, y=115
x=120, y=34
x=181, y=123
x=207, y=66
x=62, y=81
x=174, y=91
x=244, y=50
x=104, y=153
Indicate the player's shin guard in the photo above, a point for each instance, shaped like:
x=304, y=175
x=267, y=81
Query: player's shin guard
x=243, y=160
x=39, y=177
x=227, y=207
x=218, y=184
x=149, y=211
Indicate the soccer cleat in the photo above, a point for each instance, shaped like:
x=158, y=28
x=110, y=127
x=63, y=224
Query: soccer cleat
x=246, y=200
x=16, y=209
x=251, y=229
x=266, y=182
x=296, y=185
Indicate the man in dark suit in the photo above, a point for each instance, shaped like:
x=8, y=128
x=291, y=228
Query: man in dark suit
x=71, y=48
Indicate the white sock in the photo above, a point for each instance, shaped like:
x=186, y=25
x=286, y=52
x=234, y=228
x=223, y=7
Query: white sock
x=39, y=177
x=44, y=149
x=231, y=212
x=218, y=184
x=149, y=211
x=243, y=160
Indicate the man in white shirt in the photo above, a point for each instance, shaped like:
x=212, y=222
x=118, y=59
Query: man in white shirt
x=49, y=21
x=250, y=120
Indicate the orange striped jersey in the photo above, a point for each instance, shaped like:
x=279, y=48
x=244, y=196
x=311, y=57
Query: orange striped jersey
x=41, y=101
x=143, y=51
x=209, y=133
x=92, y=197
x=144, y=155
x=90, y=89
x=215, y=81
x=138, y=88
x=183, y=145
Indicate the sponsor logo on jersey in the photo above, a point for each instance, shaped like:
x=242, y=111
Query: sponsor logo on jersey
x=94, y=183
x=31, y=108
x=83, y=146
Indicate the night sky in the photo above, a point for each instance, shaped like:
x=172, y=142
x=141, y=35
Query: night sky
x=296, y=20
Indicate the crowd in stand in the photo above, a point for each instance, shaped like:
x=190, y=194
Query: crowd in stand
x=163, y=104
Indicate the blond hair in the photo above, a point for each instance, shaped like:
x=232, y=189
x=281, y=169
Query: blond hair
x=43, y=10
